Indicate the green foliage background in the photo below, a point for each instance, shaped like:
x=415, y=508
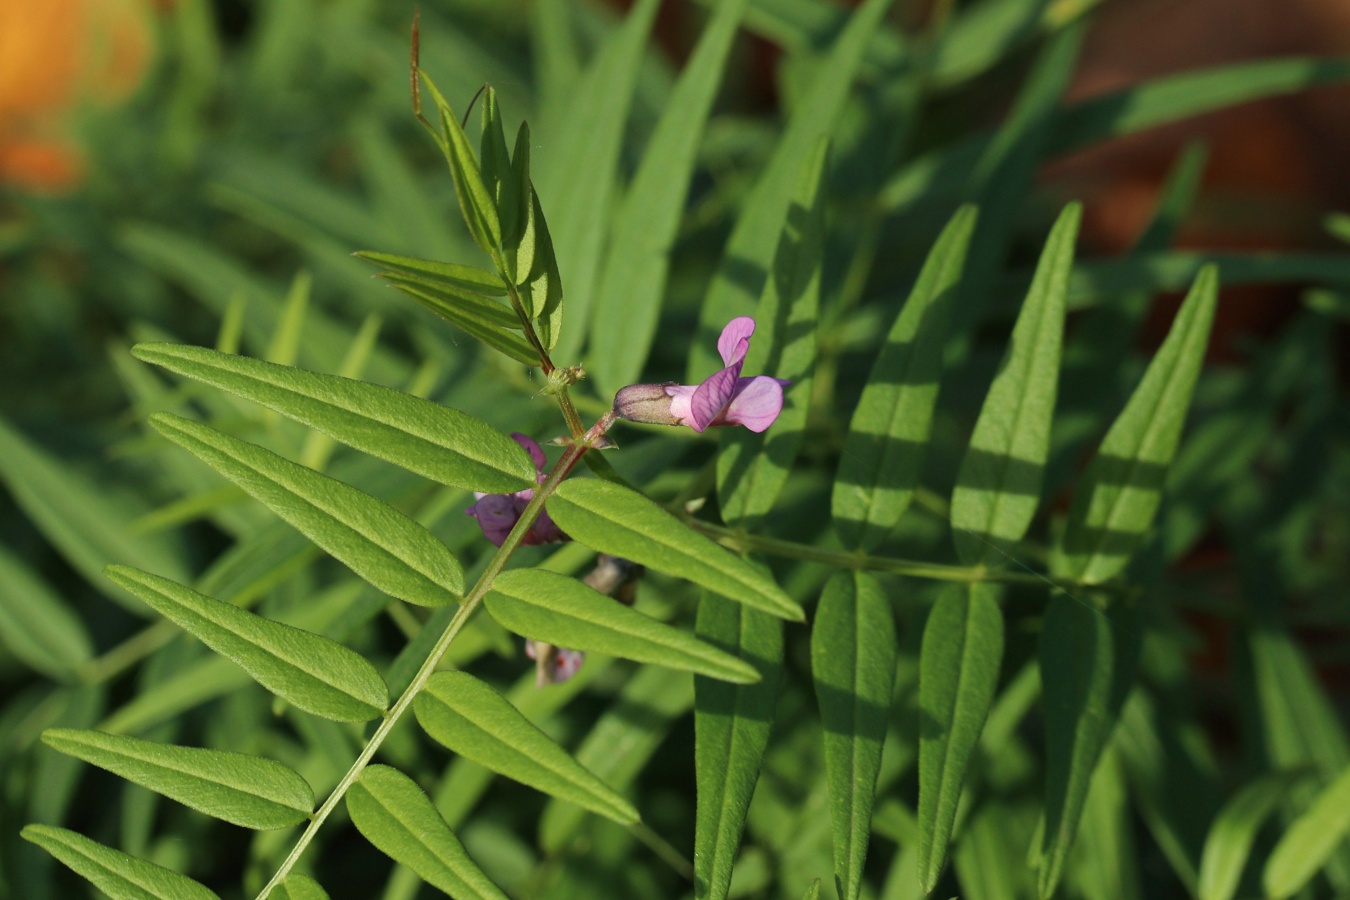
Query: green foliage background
x=991, y=518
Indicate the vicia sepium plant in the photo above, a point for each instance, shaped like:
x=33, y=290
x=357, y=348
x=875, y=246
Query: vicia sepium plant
x=549, y=637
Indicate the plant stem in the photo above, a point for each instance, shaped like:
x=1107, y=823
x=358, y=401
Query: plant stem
x=571, y=456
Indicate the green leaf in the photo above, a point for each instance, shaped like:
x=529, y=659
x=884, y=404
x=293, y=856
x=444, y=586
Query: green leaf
x=620, y=745
x=577, y=178
x=613, y=519
x=959, y=665
x=752, y=468
x=891, y=426
x=477, y=723
x=86, y=522
x=312, y=672
x=1308, y=843
x=434, y=441
x=812, y=892
x=36, y=625
x=474, y=200
x=500, y=178
x=480, y=318
x=298, y=887
x=731, y=731
x=628, y=301
x=853, y=664
x=562, y=611
x=1122, y=488
x=541, y=289
x=116, y=874
x=1088, y=662
x=244, y=790
x=377, y=542
x=430, y=271
x=395, y=815
x=999, y=484
x=1230, y=838
x=748, y=256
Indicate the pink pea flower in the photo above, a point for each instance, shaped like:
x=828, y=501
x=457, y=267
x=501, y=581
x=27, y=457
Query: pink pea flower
x=497, y=514
x=723, y=398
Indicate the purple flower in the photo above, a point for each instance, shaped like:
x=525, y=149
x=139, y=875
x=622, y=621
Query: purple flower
x=497, y=514
x=724, y=398
x=553, y=665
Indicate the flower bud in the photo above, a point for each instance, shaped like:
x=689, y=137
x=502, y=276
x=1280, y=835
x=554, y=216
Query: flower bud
x=649, y=403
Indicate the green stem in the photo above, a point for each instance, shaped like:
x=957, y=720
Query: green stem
x=745, y=541
x=571, y=456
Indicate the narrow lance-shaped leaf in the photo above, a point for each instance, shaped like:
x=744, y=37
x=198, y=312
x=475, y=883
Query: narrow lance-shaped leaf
x=562, y=611
x=1309, y=842
x=468, y=278
x=541, y=290
x=748, y=256
x=958, y=673
x=395, y=815
x=474, y=200
x=752, y=468
x=298, y=887
x=999, y=484
x=1088, y=662
x=1122, y=488
x=377, y=542
x=36, y=625
x=120, y=876
x=434, y=441
x=731, y=730
x=476, y=722
x=615, y=520
x=853, y=664
x=1230, y=838
x=241, y=789
x=628, y=299
x=889, y=432
x=312, y=672
x=588, y=138
x=499, y=178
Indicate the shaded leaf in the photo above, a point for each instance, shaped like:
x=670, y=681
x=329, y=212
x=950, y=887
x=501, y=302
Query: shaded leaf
x=853, y=664
x=752, y=468
x=377, y=542
x=312, y=672
x=395, y=815
x=36, y=625
x=241, y=789
x=959, y=665
x=476, y=722
x=999, y=484
x=562, y=611
x=615, y=520
x=434, y=441
x=120, y=876
x=890, y=428
x=731, y=731
x=1308, y=843
x=1122, y=488
x=1088, y=662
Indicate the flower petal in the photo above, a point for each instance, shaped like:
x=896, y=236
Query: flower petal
x=496, y=514
x=680, y=396
x=536, y=452
x=735, y=341
x=756, y=403
x=711, y=397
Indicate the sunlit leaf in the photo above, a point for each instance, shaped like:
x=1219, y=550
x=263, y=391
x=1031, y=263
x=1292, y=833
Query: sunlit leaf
x=476, y=722
x=562, y=611
x=379, y=543
x=395, y=815
x=612, y=519
x=1230, y=839
x=298, y=887
x=892, y=423
x=241, y=789
x=435, y=441
x=116, y=874
x=998, y=487
x=314, y=673
x=1309, y=842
